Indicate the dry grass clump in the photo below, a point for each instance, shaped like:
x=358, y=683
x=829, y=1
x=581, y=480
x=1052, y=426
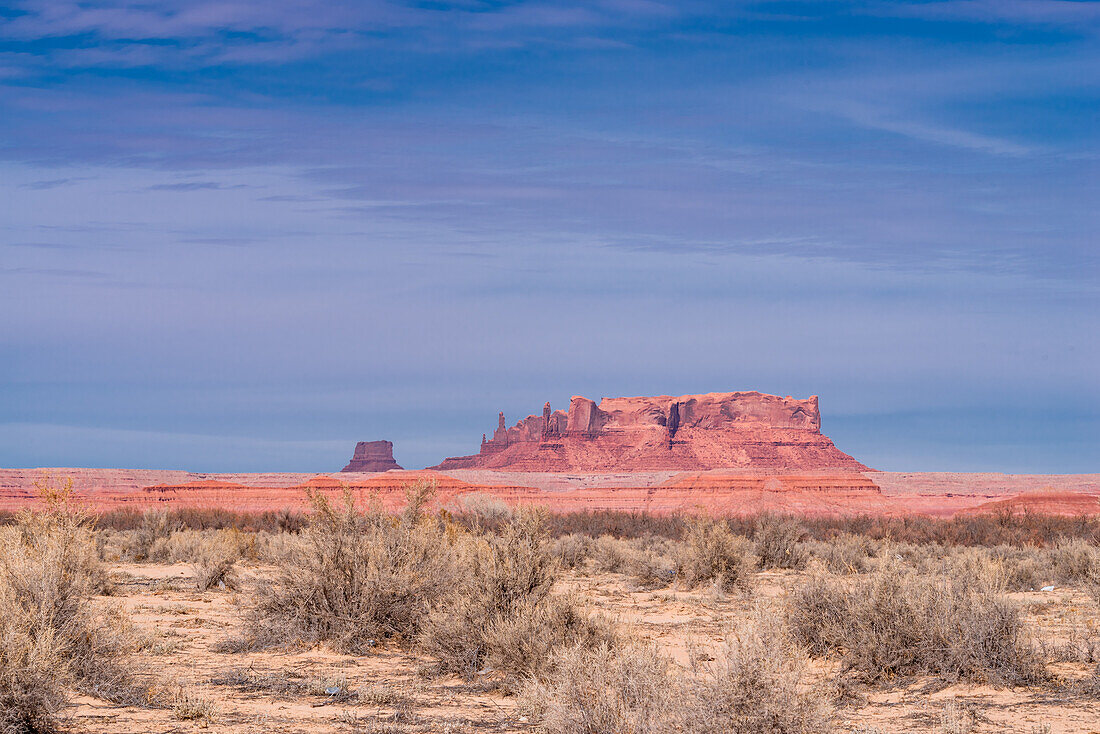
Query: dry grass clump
x=1022, y=569
x=752, y=685
x=1067, y=562
x=573, y=550
x=895, y=622
x=710, y=552
x=1092, y=588
x=189, y=706
x=146, y=541
x=481, y=511
x=215, y=564
x=650, y=560
x=502, y=618
x=604, y=690
x=1071, y=562
x=159, y=542
x=355, y=579
x=777, y=542
x=51, y=637
x=845, y=553
x=1075, y=561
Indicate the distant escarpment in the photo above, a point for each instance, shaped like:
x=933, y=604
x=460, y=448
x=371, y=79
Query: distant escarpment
x=372, y=456
x=744, y=430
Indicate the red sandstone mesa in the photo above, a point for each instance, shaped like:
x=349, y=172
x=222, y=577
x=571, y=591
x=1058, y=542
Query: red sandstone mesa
x=743, y=430
x=372, y=456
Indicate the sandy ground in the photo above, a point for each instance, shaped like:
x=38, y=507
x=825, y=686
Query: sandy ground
x=286, y=692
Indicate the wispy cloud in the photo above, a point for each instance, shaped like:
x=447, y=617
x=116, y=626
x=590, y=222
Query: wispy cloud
x=867, y=116
x=193, y=186
x=52, y=183
x=56, y=272
x=43, y=245
x=222, y=195
x=1076, y=14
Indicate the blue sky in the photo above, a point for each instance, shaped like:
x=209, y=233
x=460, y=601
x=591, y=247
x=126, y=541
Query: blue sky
x=244, y=235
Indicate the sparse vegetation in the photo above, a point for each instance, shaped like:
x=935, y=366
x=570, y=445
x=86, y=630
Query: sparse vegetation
x=504, y=618
x=356, y=579
x=650, y=561
x=215, y=565
x=777, y=542
x=604, y=690
x=509, y=601
x=753, y=684
x=189, y=706
x=52, y=638
x=712, y=553
x=895, y=622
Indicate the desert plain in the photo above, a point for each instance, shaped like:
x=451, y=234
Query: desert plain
x=737, y=572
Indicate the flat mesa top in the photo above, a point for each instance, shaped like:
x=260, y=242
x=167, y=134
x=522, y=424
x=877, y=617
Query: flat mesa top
x=703, y=397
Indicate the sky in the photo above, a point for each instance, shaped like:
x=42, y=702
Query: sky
x=242, y=235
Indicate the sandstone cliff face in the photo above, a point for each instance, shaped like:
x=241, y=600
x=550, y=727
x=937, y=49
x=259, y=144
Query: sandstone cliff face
x=749, y=430
x=372, y=456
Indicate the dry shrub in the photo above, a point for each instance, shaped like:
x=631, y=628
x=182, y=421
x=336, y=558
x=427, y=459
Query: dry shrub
x=616, y=523
x=573, y=550
x=482, y=509
x=1026, y=571
x=710, y=552
x=146, y=541
x=277, y=548
x=1075, y=561
x=52, y=637
x=503, y=617
x=1072, y=562
x=215, y=565
x=777, y=542
x=1003, y=528
x=1092, y=588
x=611, y=555
x=896, y=622
x=845, y=553
x=355, y=579
x=753, y=685
x=648, y=559
x=1068, y=562
x=522, y=644
x=207, y=518
x=604, y=690
x=213, y=554
x=33, y=678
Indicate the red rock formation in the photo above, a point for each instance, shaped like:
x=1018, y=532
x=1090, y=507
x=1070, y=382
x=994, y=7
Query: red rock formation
x=372, y=456
x=723, y=491
x=1046, y=501
x=724, y=494
x=748, y=430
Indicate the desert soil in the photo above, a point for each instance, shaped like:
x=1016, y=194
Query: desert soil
x=390, y=690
